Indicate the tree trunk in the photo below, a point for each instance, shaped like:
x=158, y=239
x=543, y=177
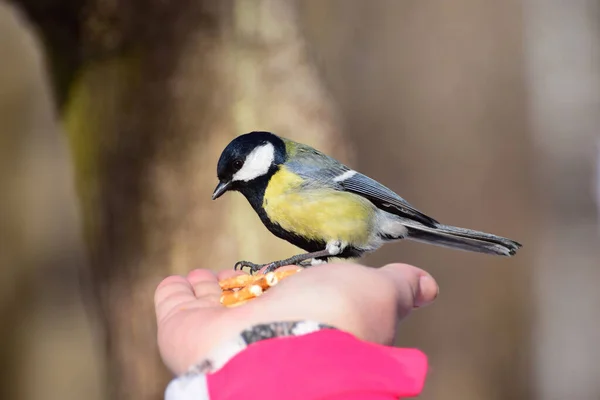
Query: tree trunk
x=161, y=88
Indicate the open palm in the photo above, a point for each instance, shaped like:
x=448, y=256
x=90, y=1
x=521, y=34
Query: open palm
x=367, y=302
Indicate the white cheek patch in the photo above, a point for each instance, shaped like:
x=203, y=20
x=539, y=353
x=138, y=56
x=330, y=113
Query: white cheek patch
x=257, y=163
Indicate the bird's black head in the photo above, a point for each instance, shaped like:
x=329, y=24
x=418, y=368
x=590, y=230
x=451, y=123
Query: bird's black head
x=248, y=157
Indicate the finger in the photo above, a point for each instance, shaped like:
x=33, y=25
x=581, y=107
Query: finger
x=414, y=286
x=201, y=275
x=171, y=293
x=229, y=273
x=204, y=282
x=284, y=268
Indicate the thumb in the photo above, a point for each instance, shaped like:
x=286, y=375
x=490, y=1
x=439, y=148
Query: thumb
x=422, y=288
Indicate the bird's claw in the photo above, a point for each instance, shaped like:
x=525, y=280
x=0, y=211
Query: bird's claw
x=240, y=265
x=270, y=267
x=254, y=268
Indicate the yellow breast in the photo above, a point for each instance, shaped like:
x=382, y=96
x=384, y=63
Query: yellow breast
x=323, y=214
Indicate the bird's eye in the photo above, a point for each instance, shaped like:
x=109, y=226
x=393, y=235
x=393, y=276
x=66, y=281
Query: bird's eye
x=237, y=164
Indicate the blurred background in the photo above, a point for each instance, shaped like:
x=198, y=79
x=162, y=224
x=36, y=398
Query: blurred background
x=483, y=114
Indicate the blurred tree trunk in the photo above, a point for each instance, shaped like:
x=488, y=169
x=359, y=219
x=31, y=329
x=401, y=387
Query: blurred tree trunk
x=159, y=90
x=438, y=107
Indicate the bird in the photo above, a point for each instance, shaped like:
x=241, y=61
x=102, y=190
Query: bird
x=327, y=209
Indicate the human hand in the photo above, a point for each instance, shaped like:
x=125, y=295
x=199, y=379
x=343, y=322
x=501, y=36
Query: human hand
x=366, y=302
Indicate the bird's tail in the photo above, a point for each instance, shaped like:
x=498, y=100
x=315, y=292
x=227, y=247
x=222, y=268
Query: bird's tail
x=463, y=239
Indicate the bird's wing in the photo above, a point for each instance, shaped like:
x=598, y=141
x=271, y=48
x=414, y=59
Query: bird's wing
x=384, y=198
x=318, y=168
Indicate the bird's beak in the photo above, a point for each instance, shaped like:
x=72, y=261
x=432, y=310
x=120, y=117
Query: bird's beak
x=221, y=188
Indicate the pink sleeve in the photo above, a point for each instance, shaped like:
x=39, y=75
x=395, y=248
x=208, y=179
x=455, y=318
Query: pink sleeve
x=327, y=365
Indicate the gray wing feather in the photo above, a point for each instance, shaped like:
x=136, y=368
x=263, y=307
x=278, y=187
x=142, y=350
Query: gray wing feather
x=384, y=198
x=316, y=167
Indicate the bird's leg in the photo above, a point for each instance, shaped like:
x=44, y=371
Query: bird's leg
x=299, y=260
x=295, y=260
x=305, y=263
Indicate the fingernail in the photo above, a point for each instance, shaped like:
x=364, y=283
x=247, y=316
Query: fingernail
x=428, y=281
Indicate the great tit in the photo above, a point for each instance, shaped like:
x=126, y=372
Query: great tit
x=327, y=209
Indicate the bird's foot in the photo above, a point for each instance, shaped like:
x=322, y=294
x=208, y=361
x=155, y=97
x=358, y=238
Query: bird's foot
x=302, y=264
x=254, y=268
x=270, y=267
